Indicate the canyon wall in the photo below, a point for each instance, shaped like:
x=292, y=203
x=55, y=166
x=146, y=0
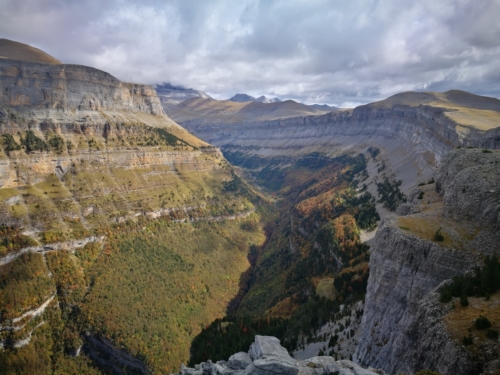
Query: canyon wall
x=403, y=328
x=413, y=139
x=71, y=87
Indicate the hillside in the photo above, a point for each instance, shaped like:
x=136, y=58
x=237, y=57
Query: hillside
x=10, y=49
x=223, y=112
x=130, y=245
x=108, y=204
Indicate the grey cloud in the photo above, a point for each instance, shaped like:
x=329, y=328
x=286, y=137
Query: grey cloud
x=345, y=51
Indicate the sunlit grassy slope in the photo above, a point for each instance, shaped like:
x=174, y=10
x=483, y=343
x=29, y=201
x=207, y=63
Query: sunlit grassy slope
x=228, y=112
x=464, y=108
x=10, y=49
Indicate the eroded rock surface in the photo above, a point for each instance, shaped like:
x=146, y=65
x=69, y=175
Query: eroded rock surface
x=267, y=357
x=402, y=329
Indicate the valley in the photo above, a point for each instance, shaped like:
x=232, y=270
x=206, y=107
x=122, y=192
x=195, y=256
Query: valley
x=143, y=228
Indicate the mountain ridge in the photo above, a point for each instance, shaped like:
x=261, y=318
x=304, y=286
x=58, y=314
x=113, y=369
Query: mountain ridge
x=13, y=50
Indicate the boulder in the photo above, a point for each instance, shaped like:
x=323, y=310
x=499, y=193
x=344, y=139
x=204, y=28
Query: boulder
x=239, y=361
x=270, y=358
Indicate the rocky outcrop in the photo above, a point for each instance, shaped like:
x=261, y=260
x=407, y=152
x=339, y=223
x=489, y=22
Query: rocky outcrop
x=37, y=86
x=267, y=357
x=402, y=329
x=70, y=246
x=470, y=184
x=404, y=270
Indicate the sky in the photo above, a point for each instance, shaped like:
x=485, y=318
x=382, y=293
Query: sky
x=338, y=52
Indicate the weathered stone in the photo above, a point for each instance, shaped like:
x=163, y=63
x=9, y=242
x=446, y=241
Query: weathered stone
x=271, y=358
x=239, y=361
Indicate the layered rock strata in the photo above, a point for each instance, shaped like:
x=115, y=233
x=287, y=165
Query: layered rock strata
x=402, y=328
x=413, y=139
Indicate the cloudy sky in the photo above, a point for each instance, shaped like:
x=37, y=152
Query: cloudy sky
x=340, y=52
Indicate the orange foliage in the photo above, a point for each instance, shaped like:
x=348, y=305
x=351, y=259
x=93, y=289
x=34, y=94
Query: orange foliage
x=346, y=231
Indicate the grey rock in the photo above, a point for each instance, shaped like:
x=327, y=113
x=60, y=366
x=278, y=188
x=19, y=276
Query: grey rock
x=271, y=358
x=469, y=181
x=402, y=329
x=239, y=361
x=72, y=87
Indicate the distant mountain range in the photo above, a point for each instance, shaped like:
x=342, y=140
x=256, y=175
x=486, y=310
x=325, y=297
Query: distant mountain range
x=171, y=95
x=242, y=98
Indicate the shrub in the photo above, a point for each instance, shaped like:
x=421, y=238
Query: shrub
x=421, y=195
x=492, y=334
x=32, y=143
x=9, y=143
x=446, y=295
x=486, y=151
x=482, y=323
x=438, y=236
x=467, y=340
x=464, y=301
x=427, y=372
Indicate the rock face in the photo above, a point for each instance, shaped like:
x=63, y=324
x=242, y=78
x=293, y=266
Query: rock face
x=470, y=184
x=402, y=327
x=267, y=357
x=415, y=137
x=71, y=87
x=404, y=270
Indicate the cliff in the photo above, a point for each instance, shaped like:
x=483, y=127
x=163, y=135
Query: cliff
x=403, y=328
x=37, y=86
x=97, y=137
x=413, y=130
x=95, y=182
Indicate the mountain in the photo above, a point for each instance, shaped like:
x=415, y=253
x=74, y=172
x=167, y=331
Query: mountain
x=130, y=245
x=242, y=98
x=117, y=225
x=325, y=106
x=263, y=99
x=171, y=95
x=10, y=49
x=209, y=111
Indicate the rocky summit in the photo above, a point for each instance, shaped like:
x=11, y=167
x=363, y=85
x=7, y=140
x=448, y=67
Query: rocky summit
x=267, y=357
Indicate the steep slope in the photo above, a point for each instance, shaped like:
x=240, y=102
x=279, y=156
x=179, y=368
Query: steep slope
x=122, y=233
x=403, y=328
x=10, y=49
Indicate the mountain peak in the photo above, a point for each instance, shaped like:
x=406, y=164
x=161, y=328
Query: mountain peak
x=242, y=98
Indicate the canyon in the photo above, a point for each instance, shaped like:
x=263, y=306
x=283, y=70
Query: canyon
x=135, y=219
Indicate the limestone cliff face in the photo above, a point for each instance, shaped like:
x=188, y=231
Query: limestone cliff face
x=119, y=151
x=402, y=327
x=470, y=184
x=404, y=270
x=71, y=87
x=414, y=138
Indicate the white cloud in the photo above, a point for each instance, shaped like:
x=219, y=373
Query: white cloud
x=344, y=51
